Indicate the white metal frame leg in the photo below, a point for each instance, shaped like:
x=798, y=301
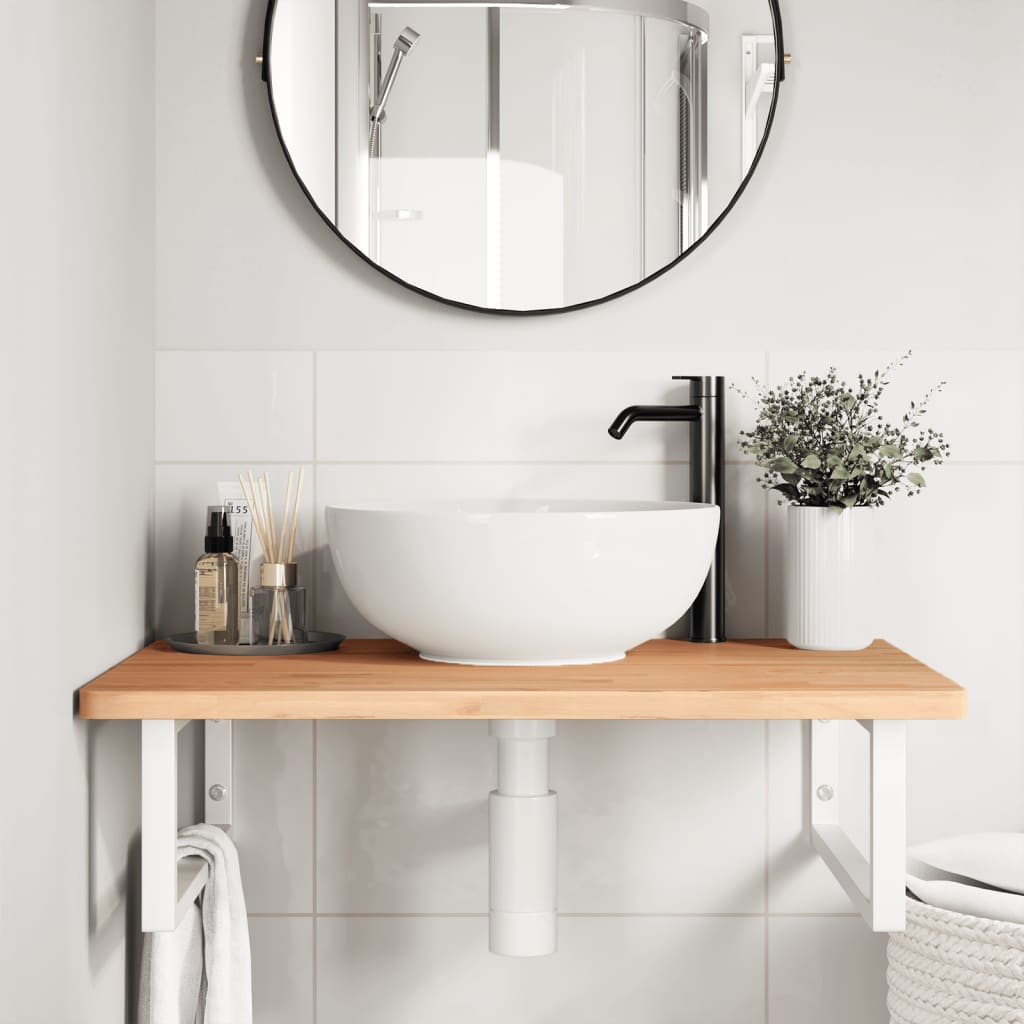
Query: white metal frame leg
x=523, y=847
x=875, y=886
x=169, y=886
x=159, y=824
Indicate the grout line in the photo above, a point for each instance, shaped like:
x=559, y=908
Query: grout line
x=290, y=463
x=315, y=614
x=767, y=535
x=669, y=352
x=766, y=512
x=314, y=887
x=312, y=404
x=595, y=914
x=767, y=855
x=514, y=462
x=314, y=618
x=446, y=462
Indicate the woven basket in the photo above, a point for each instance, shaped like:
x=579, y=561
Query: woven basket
x=950, y=967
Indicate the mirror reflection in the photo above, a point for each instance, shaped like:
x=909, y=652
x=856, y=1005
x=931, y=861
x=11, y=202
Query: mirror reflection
x=523, y=157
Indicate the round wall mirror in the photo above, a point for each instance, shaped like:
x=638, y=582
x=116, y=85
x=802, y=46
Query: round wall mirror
x=528, y=157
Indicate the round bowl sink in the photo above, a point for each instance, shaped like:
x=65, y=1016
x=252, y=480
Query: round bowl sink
x=523, y=582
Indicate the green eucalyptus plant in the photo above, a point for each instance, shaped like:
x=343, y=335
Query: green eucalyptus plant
x=825, y=444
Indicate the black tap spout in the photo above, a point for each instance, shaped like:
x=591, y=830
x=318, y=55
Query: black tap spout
x=653, y=413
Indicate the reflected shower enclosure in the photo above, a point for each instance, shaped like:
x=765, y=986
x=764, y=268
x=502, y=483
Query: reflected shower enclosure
x=533, y=157
x=518, y=157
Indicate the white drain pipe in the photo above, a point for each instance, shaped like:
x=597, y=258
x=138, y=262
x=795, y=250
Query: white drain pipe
x=523, y=857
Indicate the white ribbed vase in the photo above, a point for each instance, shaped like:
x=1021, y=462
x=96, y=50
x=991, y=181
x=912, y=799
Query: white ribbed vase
x=828, y=578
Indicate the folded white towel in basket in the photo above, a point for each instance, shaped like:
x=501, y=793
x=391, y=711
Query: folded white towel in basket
x=975, y=900
x=980, y=874
x=202, y=974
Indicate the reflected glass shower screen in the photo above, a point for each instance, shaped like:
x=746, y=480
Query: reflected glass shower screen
x=534, y=158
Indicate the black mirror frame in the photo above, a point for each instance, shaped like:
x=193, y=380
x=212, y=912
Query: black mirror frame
x=780, y=75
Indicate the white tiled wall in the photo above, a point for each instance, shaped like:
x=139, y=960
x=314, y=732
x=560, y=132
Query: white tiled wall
x=685, y=877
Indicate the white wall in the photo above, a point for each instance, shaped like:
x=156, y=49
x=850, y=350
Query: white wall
x=305, y=84
x=76, y=319
x=887, y=209
x=886, y=215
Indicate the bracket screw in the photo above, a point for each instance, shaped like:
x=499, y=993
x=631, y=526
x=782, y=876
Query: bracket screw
x=824, y=793
x=218, y=792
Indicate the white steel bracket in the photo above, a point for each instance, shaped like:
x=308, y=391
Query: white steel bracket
x=170, y=885
x=875, y=884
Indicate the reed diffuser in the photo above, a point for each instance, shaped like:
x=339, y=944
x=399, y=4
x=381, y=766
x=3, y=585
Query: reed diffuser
x=278, y=606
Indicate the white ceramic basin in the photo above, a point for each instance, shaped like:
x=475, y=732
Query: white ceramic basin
x=523, y=582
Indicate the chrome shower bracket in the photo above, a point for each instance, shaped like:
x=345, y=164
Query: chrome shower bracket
x=875, y=884
x=170, y=885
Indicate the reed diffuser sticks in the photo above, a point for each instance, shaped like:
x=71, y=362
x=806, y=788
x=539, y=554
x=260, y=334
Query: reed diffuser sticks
x=278, y=545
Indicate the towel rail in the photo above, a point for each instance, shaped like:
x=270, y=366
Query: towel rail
x=170, y=885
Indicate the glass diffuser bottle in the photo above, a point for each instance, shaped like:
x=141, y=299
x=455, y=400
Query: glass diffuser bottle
x=278, y=606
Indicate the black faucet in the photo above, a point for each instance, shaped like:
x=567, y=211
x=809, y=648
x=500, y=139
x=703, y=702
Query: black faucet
x=707, y=484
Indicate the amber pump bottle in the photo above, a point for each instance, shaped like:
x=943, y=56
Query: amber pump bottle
x=217, y=583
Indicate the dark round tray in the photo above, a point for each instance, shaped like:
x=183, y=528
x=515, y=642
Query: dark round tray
x=315, y=644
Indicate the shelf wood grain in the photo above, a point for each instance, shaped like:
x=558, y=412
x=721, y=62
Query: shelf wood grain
x=745, y=679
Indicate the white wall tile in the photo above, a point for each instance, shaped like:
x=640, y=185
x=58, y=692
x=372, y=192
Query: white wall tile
x=182, y=494
x=402, y=816
x=234, y=406
x=798, y=880
x=511, y=406
x=606, y=971
x=979, y=408
x=949, y=564
x=825, y=969
x=402, y=824
x=282, y=969
x=954, y=599
x=273, y=814
x=660, y=817
x=745, y=561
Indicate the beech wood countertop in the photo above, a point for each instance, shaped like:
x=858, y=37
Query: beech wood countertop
x=751, y=679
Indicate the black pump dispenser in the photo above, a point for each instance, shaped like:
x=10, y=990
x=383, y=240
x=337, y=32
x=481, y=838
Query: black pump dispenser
x=218, y=531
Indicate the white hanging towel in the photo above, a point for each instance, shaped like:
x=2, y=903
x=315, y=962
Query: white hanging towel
x=201, y=972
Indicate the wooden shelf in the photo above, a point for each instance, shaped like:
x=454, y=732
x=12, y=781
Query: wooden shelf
x=746, y=679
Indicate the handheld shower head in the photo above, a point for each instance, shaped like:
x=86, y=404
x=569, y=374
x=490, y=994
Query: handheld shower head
x=406, y=40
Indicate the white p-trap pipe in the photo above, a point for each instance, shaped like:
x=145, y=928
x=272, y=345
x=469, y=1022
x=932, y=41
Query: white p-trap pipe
x=523, y=853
